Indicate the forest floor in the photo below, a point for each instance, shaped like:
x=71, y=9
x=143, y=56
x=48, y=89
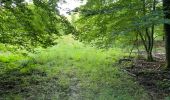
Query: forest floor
x=72, y=70
x=152, y=76
x=68, y=71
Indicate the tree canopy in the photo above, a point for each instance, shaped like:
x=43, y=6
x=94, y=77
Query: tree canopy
x=103, y=20
x=31, y=24
x=100, y=22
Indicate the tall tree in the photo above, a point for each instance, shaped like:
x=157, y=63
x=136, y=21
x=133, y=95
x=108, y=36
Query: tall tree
x=105, y=19
x=166, y=7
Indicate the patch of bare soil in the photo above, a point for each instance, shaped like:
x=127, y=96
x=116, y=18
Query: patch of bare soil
x=152, y=76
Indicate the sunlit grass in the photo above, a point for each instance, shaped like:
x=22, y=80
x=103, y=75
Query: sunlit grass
x=71, y=71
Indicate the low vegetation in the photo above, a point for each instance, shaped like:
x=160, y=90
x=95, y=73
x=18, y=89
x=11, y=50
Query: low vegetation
x=69, y=70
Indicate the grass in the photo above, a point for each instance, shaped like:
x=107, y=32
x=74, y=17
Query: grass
x=67, y=71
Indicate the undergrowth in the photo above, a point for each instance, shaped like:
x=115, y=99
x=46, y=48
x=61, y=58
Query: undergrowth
x=67, y=71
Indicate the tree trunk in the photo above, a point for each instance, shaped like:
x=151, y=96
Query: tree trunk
x=166, y=8
x=149, y=56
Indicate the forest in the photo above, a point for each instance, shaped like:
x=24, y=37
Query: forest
x=84, y=49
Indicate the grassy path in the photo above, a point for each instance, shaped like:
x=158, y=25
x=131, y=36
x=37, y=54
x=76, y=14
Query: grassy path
x=68, y=71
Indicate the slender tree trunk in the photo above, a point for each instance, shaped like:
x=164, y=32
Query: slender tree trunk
x=148, y=36
x=149, y=56
x=151, y=36
x=166, y=7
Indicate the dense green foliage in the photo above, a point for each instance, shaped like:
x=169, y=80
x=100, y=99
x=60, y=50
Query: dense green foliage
x=38, y=23
x=103, y=22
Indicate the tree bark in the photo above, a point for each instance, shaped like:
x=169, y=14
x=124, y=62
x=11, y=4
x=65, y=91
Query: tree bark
x=166, y=8
x=149, y=56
